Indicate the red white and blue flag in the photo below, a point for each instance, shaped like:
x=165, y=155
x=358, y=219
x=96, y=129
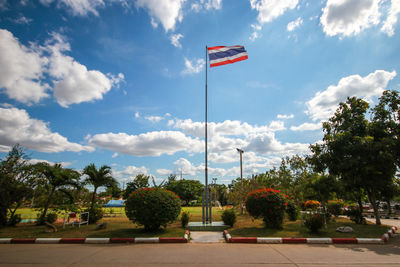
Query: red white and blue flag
x=222, y=55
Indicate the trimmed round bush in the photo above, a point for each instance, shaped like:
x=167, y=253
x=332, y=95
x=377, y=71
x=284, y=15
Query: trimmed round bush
x=313, y=221
x=94, y=215
x=185, y=219
x=229, y=217
x=51, y=217
x=292, y=211
x=311, y=204
x=335, y=207
x=268, y=204
x=153, y=207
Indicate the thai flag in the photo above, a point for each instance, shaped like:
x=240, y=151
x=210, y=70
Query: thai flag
x=222, y=55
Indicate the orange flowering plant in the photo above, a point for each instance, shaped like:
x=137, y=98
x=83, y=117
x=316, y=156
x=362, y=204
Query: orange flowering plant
x=268, y=204
x=311, y=204
x=153, y=207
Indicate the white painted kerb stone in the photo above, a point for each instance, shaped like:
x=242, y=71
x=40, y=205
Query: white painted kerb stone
x=97, y=240
x=47, y=240
x=5, y=240
x=147, y=240
x=269, y=240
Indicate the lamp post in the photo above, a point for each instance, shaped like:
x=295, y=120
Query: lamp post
x=241, y=165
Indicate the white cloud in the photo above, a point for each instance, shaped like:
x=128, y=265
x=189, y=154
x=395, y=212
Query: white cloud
x=147, y=144
x=175, y=40
x=294, y=24
x=194, y=66
x=137, y=115
x=307, y=127
x=323, y=104
x=78, y=7
x=349, y=17
x=168, y=12
x=163, y=172
x=18, y=127
x=34, y=161
x=206, y=4
x=129, y=172
x=256, y=32
x=285, y=117
x=22, y=20
x=154, y=119
x=74, y=83
x=114, y=155
x=21, y=69
x=391, y=20
x=269, y=10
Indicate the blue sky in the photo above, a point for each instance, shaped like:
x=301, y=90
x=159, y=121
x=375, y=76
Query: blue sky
x=121, y=82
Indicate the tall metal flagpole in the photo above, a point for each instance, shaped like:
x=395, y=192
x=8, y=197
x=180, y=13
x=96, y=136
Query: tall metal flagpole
x=207, y=219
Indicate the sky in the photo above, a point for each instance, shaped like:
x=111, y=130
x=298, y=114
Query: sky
x=122, y=82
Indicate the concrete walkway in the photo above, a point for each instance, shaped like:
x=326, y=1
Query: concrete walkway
x=206, y=237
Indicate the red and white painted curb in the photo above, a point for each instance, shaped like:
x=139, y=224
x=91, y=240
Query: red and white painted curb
x=299, y=240
x=184, y=239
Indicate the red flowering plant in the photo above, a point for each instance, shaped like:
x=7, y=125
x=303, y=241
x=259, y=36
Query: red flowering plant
x=153, y=207
x=268, y=204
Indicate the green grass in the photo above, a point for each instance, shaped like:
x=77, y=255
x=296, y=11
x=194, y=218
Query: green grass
x=247, y=227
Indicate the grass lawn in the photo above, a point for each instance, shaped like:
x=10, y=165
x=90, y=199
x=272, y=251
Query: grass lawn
x=245, y=226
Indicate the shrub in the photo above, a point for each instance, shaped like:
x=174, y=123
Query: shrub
x=153, y=207
x=292, y=211
x=335, y=207
x=229, y=217
x=268, y=204
x=397, y=207
x=311, y=204
x=94, y=215
x=355, y=214
x=313, y=221
x=14, y=220
x=51, y=217
x=185, y=219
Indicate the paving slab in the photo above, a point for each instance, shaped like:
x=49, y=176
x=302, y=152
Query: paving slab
x=206, y=237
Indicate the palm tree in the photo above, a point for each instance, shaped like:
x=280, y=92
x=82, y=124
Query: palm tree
x=56, y=178
x=98, y=178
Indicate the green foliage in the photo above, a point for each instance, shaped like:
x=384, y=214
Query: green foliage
x=187, y=190
x=153, y=207
x=95, y=214
x=335, y=207
x=185, y=217
x=313, y=221
x=355, y=214
x=140, y=181
x=292, y=211
x=268, y=204
x=51, y=217
x=229, y=217
x=14, y=220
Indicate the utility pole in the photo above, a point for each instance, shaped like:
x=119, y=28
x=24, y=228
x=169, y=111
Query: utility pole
x=241, y=165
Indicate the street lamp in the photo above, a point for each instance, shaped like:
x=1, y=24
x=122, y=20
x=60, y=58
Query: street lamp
x=241, y=165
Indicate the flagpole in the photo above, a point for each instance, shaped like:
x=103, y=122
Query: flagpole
x=207, y=219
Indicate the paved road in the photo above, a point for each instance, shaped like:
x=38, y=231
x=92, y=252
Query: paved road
x=197, y=254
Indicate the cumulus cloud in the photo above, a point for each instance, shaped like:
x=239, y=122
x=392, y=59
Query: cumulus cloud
x=391, y=20
x=324, y=103
x=193, y=66
x=163, y=172
x=167, y=12
x=349, y=17
x=34, y=161
x=284, y=116
x=307, y=127
x=207, y=5
x=78, y=7
x=129, y=172
x=268, y=10
x=21, y=70
x=154, y=119
x=18, y=127
x=294, y=24
x=147, y=144
x=74, y=83
x=175, y=40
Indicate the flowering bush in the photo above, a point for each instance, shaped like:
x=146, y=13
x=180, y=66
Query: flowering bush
x=311, y=204
x=153, y=207
x=313, y=221
x=335, y=207
x=268, y=204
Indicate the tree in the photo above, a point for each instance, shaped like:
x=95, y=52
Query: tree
x=55, y=178
x=140, y=181
x=355, y=150
x=187, y=190
x=16, y=181
x=98, y=178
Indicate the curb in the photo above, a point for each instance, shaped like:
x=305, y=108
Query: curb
x=297, y=240
x=113, y=240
